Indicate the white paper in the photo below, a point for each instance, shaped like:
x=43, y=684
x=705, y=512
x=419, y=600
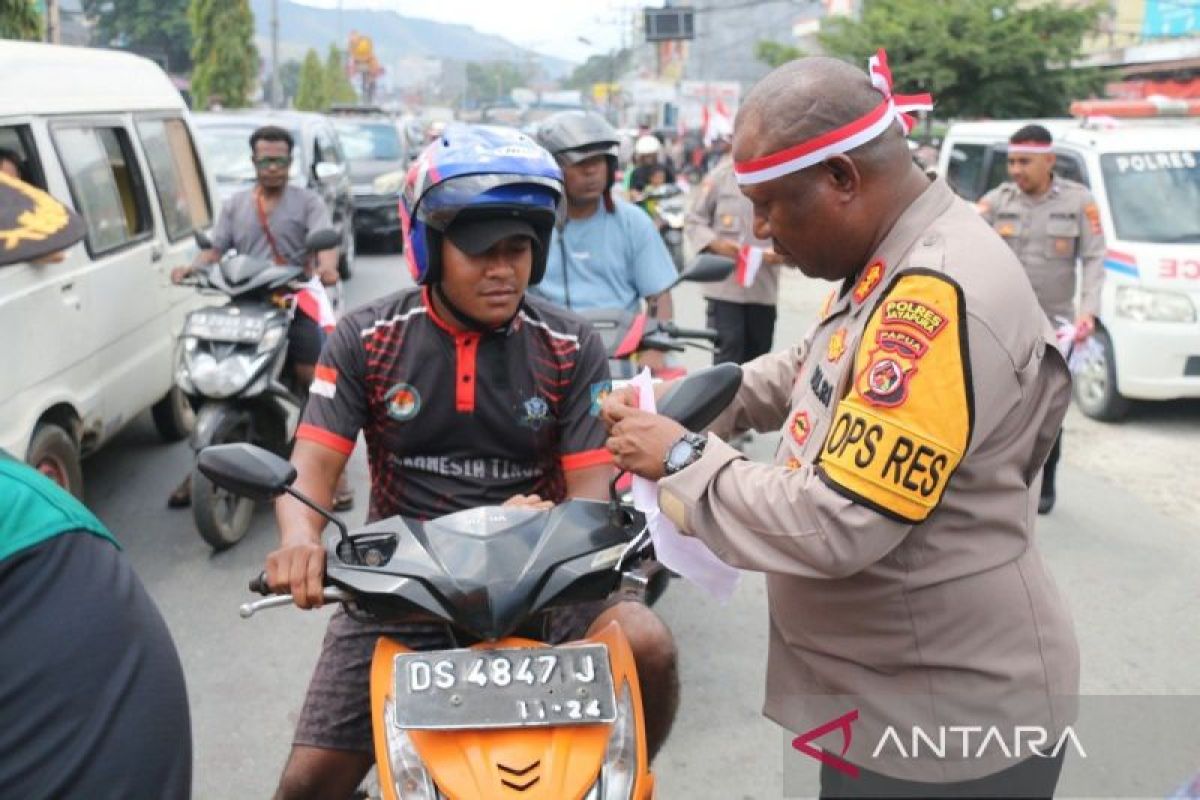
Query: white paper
x=685, y=555
x=1077, y=354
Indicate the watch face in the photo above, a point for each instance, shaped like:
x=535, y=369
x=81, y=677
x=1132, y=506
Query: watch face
x=680, y=454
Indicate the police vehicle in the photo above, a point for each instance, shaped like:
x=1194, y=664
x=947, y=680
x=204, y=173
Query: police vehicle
x=1141, y=160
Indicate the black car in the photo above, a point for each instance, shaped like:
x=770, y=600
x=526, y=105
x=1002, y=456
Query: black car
x=318, y=162
x=374, y=147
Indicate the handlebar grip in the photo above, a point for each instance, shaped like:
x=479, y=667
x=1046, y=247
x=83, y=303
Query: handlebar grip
x=706, y=334
x=258, y=584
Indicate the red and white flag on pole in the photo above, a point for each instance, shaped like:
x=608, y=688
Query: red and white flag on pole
x=750, y=258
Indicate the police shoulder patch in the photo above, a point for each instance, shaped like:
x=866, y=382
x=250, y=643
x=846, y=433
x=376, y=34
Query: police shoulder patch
x=904, y=426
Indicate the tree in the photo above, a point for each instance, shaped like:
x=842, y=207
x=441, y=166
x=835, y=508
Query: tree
x=19, y=19
x=493, y=80
x=978, y=58
x=774, y=54
x=603, y=68
x=338, y=88
x=223, y=51
x=289, y=79
x=155, y=28
x=311, y=94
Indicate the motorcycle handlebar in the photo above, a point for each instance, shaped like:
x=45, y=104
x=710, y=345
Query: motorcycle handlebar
x=707, y=334
x=258, y=584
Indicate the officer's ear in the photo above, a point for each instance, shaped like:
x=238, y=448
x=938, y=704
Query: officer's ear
x=843, y=175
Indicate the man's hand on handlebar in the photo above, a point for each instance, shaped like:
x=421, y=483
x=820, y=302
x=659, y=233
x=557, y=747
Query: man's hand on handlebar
x=298, y=568
x=531, y=501
x=178, y=274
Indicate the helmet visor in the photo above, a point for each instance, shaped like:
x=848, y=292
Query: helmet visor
x=439, y=206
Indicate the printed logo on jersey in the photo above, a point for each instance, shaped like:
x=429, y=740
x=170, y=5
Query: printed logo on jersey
x=535, y=412
x=403, y=402
x=599, y=392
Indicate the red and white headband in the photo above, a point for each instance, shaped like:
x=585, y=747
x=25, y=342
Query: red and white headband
x=1030, y=147
x=894, y=108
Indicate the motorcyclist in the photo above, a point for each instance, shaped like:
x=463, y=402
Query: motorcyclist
x=647, y=159
x=607, y=254
x=469, y=393
x=270, y=221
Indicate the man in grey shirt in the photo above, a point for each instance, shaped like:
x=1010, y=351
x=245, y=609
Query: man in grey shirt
x=271, y=221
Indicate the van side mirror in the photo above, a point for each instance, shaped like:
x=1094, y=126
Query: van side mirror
x=327, y=172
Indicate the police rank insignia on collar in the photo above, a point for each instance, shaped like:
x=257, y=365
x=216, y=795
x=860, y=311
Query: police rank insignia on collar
x=870, y=279
x=32, y=223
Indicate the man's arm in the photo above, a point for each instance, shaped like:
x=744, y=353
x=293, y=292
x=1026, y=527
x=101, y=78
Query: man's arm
x=1091, y=257
x=651, y=269
x=590, y=483
x=316, y=218
x=698, y=233
x=298, y=566
x=660, y=306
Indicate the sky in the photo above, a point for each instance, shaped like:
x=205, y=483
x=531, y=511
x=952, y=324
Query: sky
x=550, y=26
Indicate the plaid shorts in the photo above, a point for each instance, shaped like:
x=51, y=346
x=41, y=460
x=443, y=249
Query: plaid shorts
x=337, y=708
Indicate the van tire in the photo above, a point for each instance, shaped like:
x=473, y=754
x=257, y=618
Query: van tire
x=173, y=416
x=53, y=452
x=1096, y=385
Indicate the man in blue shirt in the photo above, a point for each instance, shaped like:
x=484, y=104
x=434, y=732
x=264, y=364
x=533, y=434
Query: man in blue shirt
x=608, y=254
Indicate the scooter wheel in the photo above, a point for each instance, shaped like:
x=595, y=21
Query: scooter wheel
x=222, y=518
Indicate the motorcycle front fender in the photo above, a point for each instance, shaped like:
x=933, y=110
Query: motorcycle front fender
x=214, y=420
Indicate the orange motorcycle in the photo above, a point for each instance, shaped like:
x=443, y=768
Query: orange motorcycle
x=508, y=716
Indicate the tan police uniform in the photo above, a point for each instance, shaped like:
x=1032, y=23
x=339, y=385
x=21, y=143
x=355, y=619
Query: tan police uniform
x=1048, y=233
x=896, y=525
x=719, y=210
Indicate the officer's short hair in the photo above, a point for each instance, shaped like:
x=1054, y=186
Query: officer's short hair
x=272, y=133
x=1032, y=133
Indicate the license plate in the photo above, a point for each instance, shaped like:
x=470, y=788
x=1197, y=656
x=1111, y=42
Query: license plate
x=519, y=688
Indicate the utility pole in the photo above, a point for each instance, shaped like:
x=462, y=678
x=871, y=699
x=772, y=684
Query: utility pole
x=53, y=23
x=276, y=86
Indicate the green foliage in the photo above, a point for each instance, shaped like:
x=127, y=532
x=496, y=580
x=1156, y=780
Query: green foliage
x=979, y=58
x=774, y=54
x=493, y=80
x=19, y=19
x=223, y=51
x=311, y=95
x=289, y=79
x=605, y=68
x=338, y=88
x=157, y=29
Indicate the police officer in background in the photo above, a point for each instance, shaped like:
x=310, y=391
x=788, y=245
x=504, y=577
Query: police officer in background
x=1050, y=223
x=895, y=526
x=720, y=220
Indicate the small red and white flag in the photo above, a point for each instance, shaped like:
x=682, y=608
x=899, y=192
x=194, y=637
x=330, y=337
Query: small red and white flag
x=324, y=382
x=749, y=261
x=312, y=300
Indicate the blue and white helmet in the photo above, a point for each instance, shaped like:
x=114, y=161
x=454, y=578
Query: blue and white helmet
x=485, y=172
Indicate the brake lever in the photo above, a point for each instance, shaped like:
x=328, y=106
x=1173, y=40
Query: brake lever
x=331, y=594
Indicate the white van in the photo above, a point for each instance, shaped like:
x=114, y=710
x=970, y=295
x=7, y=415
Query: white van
x=1145, y=175
x=89, y=341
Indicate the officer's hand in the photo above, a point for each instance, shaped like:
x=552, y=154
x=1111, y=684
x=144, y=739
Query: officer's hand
x=639, y=440
x=1085, y=326
x=298, y=568
x=624, y=397
x=532, y=501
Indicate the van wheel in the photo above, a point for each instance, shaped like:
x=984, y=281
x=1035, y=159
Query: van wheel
x=52, y=452
x=349, y=252
x=173, y=416
x=1096, y=384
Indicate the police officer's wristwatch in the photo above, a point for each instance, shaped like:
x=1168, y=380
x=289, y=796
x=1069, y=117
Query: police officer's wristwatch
x=686, y=450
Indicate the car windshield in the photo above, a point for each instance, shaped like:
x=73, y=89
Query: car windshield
x=369, y=141
x=1155, y=196
x=226, y=150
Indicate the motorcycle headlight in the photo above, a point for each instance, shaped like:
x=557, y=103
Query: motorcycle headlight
x=1154, y=305
x=411, y=779
x=620, y=758
x=219, y=379
x=673, y=218
x=271, y=338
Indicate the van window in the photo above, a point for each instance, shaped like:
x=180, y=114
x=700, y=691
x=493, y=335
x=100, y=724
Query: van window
x=962, y=173
x=1154, y=196
x=326, y=147
x=1066, y=165
x=177, y=176
x=106, y=183
x=16, y=142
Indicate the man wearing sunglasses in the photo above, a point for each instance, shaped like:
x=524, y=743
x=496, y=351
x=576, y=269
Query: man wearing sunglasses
x=271, y=220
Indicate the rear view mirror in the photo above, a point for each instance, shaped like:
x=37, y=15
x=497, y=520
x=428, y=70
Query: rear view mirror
x=322, y=239
x=707, y=268
x=246, y=470
x=695, y=401
x=202, y=240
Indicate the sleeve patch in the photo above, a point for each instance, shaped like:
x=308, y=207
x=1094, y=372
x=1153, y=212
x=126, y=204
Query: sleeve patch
x=905, y=424
x=1093, y=217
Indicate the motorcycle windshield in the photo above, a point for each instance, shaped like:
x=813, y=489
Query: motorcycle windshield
x=484, y=570
x=241, y=274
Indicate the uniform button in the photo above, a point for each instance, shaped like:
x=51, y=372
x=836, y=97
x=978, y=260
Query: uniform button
x=466, y=378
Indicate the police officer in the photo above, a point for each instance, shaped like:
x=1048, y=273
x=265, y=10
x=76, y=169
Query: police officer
x=1050, y=223
x=742, y=307
x=904, y=584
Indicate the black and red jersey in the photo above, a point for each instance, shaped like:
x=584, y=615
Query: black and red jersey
x=458, y=419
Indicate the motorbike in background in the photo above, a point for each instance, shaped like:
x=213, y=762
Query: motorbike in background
x=230, y=363
x=665, y=204
x=507, y=714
